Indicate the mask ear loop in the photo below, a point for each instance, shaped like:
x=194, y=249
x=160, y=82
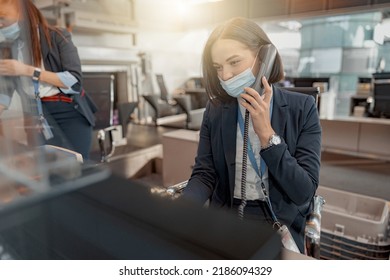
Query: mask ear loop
x=254, y=62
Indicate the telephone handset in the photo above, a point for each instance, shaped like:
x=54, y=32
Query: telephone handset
x=267, y=55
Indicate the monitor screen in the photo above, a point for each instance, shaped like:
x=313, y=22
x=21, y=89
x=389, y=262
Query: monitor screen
x=382, y=98
x=308, y=81
x=100, y=87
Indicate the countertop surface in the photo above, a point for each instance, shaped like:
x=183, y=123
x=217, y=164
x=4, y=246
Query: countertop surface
x=358, y=120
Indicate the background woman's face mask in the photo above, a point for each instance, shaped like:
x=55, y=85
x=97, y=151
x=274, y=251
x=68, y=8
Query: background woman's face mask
x=10, y=33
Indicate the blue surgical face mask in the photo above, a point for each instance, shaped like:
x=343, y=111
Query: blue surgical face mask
x=10, y=33
x=235, y=85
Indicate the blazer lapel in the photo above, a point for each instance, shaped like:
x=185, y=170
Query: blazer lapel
x=44, y=47
x=279, y=112
x=229, y=135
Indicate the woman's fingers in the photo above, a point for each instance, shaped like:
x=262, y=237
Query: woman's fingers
x=267, y=90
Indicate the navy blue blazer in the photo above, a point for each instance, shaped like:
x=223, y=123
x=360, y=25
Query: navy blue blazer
x=63, y=56
x=293, y=166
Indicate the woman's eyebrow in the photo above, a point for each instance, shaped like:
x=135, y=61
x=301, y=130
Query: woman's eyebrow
x=232, y=57
x=228, y=59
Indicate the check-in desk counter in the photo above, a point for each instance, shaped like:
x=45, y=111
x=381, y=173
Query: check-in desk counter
x=179, y=151
x=366, y=137
x=119, y=219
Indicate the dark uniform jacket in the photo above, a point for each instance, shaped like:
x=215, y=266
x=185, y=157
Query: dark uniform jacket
x=293, y=166
x=61, y=57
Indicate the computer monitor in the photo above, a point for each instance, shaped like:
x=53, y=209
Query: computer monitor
x=100, y=87
x=313, y=91
x=307, y=81
x=381, y=95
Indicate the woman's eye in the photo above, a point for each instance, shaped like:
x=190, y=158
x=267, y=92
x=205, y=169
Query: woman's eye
x=218, y=68
x=234, y=62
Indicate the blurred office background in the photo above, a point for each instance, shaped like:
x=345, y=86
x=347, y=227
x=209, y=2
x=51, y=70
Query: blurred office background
x=343, y=41
x=141, y=61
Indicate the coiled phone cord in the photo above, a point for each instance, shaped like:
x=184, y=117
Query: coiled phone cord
x=244, y=167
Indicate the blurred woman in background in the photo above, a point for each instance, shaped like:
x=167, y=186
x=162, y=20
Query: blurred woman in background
x=40, y=60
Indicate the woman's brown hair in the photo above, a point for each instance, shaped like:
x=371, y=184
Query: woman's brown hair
x=35, y=19
x=246, y=32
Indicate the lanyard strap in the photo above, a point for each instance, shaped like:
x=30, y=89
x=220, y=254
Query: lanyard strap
x=37, y=98
x=45, y=127
x=259, y=171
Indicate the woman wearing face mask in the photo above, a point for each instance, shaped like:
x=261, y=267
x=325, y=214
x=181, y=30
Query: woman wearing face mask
x=284, y=134
x=38, y=59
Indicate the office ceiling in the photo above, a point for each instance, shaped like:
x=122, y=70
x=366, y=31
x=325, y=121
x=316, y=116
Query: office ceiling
x=211, y=12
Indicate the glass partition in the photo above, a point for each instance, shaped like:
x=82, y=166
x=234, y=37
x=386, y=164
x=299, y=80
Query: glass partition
x=30, y=168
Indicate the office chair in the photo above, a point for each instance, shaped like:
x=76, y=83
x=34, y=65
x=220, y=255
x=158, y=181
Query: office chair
x=161, y=108
x=183, y=101
x=163, y=89
x=161, y=105
x=124, y=112
x=164, y=107
x=313, y=91
x=101, y=89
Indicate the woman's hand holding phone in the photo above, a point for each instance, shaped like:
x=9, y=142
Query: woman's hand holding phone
x=259, y=109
